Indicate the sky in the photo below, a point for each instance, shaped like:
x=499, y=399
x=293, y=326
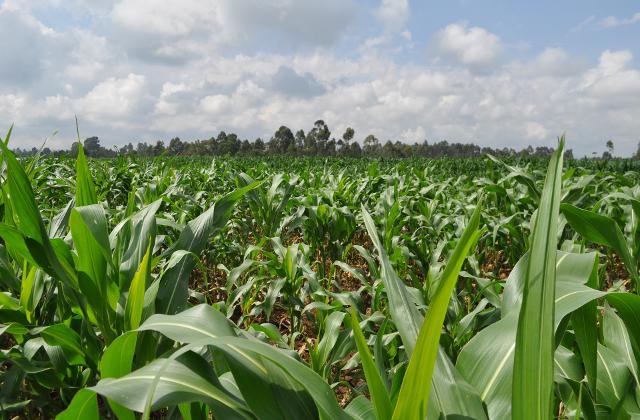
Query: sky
x=496, y=73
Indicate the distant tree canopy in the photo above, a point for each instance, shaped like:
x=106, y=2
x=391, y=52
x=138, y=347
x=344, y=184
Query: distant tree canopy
x=608, y=154
x=318, y=141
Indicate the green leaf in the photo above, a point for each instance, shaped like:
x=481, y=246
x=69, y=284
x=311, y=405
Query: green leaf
x=457, y=395
x=520, y=176
x=414, y=393
x=451, y=395
x=136, y=234
x=117, y=359
x=15, y=241
x=628, y=307
x=377, y=388
x=69, y=340
x=601, y=230
x=91, y=221
x=85, y=190
x=360, y=408
x=25, y=210
x=84, y=405
x=204, y=325
x=195, y=235
x=8, y=277
x=90, y=237
x=269, y=390
x=404, y=311
x=252, y=352
x=613, y=377
x=26, y=293
x=199, y=323
x=532, y=392
x=13, y=328
x=486, y=361
x=29, y=221
x=329, y=337
x=172, y=382
x=567, y=365
x=616, y=338
x=173, y=291
x=584, y=321
x=135, y=299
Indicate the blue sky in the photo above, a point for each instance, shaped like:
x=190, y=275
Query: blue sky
x=498, y=73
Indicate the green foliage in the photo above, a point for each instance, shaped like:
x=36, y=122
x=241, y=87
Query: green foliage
x=532, y=396
x=309, y=288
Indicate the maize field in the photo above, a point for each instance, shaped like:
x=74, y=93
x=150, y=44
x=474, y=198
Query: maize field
x=302, y=288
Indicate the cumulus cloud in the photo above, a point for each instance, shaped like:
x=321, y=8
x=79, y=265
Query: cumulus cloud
x=185, y=78
x=115, y=98
x=170, y=31
x=26, y=47
x=612, y=82
x=290, y=83
x=393, y=14
x=215, y=104
x=551, y=62
x=165, y=17
x=471, y=46
x=417, y=134
x=536, y=131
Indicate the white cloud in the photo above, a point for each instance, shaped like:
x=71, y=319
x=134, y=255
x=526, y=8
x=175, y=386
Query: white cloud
x=122, y=95
x=612, y=21
x=417, y=134
x=552, y=62
x=371, y=94
x=215, y=104
x=612, y=83
x=88, y=57
x=114, y=98
x=471, y=46
x=27, y=47
x=289, y=82
x=586, y=22
x=536, y=131
x=168, y=103
x=12, y=106
x=167, y=30
x=393, y=14
x=166, y=17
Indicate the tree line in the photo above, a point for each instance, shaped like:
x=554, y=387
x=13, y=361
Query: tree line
x=318, y=141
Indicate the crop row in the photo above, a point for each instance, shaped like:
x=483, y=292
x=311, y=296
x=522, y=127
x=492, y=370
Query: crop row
x=308, y=288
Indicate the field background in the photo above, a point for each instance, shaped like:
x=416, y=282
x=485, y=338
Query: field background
x=293, y=251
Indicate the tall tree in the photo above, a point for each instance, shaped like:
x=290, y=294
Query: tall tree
x=92, y=146
x=348, y=135
x=608, y=154
x=371, y=144
x=300, y=139
x=258, y=146
x=158, y=148
x=320, y=134
x=176, y=147
x=282, y=140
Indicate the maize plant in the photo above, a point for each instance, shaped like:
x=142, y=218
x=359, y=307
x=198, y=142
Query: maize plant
x=278, y=288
